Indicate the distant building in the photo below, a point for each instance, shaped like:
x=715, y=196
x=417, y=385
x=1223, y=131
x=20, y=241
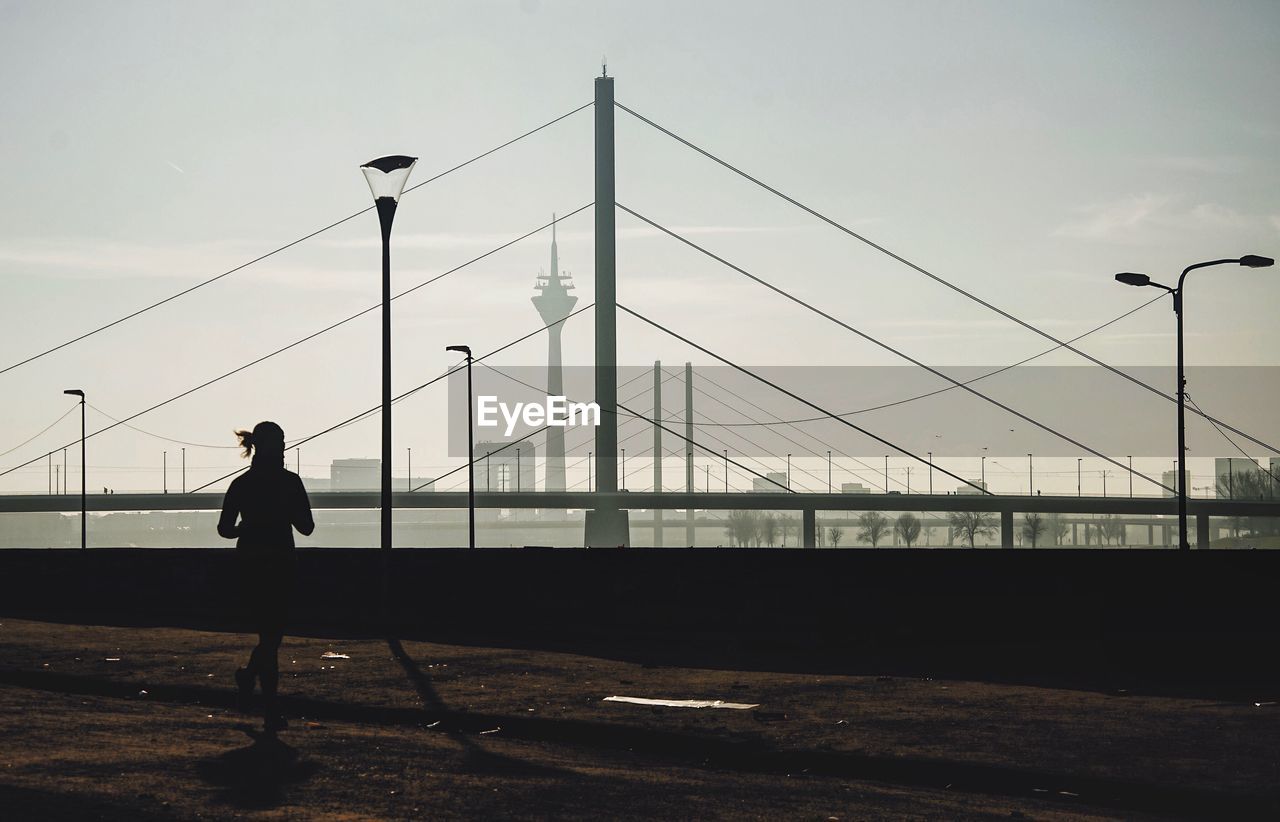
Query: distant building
x=554, y=304
x=969, y=489
x=502, y=466
x=355, y=475
x=1169, y=479
x=314, y=484
x=772, y=482
x=854, y=488
x=1226, y=470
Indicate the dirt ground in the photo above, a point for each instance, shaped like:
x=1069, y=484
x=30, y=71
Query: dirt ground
x=102, y=722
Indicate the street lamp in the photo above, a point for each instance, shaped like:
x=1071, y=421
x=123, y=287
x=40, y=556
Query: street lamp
x=788, y=472
x=386, y=177
x=471, y=465
x=930, y=472
x=1031, y=476
x=84, y=528
x=1079, y=462
x=1130, y=278
x=828, y=472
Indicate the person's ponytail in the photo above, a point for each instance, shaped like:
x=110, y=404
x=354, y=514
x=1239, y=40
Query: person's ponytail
x=246, y=442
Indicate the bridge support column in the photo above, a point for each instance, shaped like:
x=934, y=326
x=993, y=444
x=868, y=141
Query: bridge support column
x=606, y=525
x=1006, y=529
x=1202, y=532
x=809, y=528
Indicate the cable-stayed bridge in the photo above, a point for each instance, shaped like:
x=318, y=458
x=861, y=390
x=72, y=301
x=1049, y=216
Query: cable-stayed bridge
x=606, y=497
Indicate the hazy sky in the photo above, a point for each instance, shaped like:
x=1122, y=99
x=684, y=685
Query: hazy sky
x=1026, y=151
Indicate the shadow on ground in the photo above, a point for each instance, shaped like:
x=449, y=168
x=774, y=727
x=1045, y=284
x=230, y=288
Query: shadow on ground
x=256, y=776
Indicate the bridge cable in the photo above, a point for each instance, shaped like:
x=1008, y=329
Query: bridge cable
x=928, y=273
x=884, y=345
x=298, y=342
x=754, y=422
x=634, y=415
x=288, y=245
x=794, y=396
x=406, y=394
x=946, y=388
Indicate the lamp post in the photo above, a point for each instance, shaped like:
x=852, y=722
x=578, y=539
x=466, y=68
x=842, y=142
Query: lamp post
x=624, y=469
x=1130, y=278
x=931, y=472
x=828, y=472
x=886, y=473
x=984, y=468
x=1079, y=491
x=589, y=479
x=788, y=472
x=471, y=467
x=84, y=528
x=1130, y=476
x=386, y=177
x=726, y=470
x=164, y=472
x=1031, y=477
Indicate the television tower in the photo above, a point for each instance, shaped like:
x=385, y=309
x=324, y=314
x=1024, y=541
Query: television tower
x=554, y=302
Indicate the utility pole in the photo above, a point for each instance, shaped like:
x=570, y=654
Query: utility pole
x=657, y=450
x=688, y=452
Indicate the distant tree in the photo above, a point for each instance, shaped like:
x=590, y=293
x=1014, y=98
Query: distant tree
x=972, y=524
x=1251, y=485
x=1110, y=528
x=742, y=528
x=785, y=524
x=769, y=528
x=1033, y=525
x=907, y=527
x=1058, y=528
x=835, y=533
x=872, y=527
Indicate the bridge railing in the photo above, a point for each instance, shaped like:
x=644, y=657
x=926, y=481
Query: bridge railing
x=439, y=519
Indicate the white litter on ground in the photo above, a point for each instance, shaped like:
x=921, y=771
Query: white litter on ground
x=683, y=703
x=333, y=655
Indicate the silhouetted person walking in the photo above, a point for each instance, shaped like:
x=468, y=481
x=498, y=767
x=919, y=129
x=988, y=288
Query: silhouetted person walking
x=269, y=502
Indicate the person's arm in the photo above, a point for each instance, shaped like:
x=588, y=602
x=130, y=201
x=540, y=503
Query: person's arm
x=228, y=528
x=301, y=514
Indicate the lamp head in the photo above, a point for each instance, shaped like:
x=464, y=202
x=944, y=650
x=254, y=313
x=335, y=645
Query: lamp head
x=1254, y=261
x=75, y=392
x=387, y=175
x=1129, y=278
x=465, y=350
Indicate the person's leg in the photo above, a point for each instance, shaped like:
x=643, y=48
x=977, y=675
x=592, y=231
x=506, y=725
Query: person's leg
x=269, y=676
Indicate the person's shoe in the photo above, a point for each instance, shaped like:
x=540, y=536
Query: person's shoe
x=274, y=723
x=244, y=689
